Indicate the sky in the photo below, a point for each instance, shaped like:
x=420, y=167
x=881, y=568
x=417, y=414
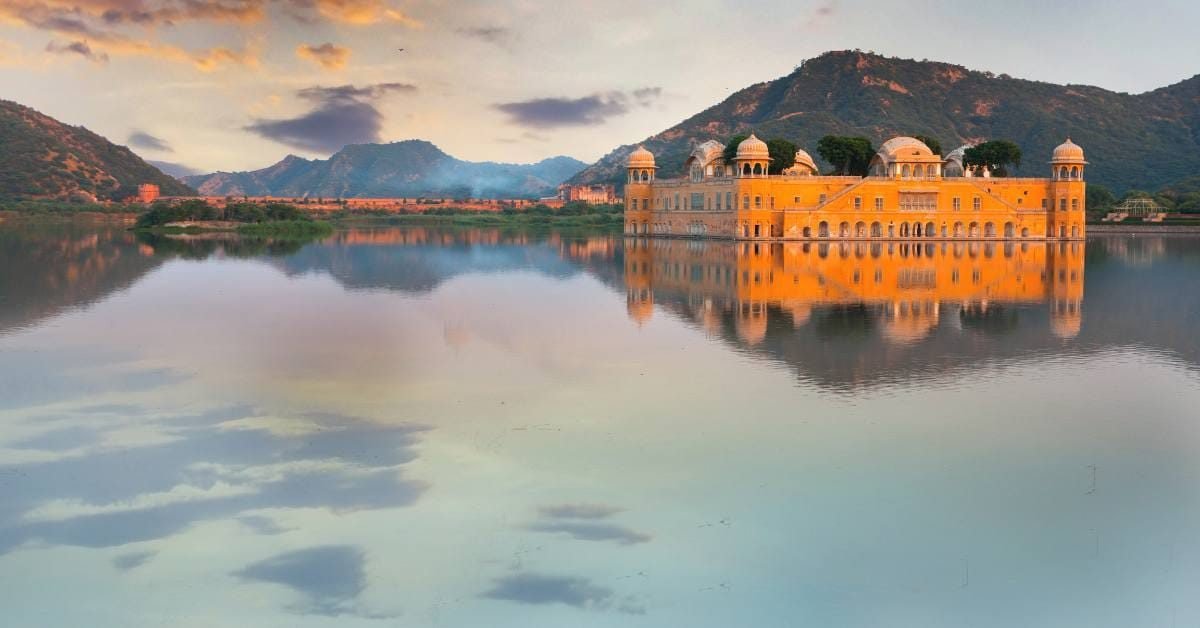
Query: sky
x=239, y=84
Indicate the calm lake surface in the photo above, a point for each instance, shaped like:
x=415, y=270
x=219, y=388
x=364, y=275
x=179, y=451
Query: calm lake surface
x=422, y=427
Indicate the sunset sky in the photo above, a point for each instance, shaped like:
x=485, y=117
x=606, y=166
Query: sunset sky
x=238, y=84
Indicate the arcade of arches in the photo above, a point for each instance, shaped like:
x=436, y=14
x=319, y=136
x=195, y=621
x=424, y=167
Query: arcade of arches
x=911, y=194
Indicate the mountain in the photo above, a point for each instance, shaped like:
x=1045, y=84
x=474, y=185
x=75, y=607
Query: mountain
x=43, y=158
x=1132, y=141
x=408, y=168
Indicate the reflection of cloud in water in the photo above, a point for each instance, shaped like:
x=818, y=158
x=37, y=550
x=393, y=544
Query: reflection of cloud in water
x=587, y=531
x=330, y=577
x=29, y=377
x=115, y=496
x=132, y=560
x=530, y=588
x=580, y=511
x=262, y=525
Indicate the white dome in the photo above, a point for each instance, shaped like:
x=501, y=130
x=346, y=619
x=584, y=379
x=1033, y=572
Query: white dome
x=641, y=158
x=753, y=148
x=903, y=146
x=1068, y=151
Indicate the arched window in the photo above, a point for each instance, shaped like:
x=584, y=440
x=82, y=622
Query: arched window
x=746, y=170
x=808, y=232
x=930, y=230
x=844, y=230
x=757, y=169
x=989, y=230
x=1024, y=233
x=1075, y=172
x=905, y=172
x=918, y=171
x=876, y=230
x=860, y=229
x=973, y=230
x=645, y=176
x=823, y=230
x=1008, y=230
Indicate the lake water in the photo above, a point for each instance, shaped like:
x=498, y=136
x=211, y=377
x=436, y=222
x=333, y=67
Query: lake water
x=418, y=427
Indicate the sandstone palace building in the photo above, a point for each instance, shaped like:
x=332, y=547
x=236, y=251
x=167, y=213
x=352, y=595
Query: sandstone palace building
x=909, y=193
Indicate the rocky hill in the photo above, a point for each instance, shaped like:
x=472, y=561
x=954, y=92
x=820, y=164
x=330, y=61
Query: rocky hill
x=42, y=158
x=1133, y=141
x=408, y=168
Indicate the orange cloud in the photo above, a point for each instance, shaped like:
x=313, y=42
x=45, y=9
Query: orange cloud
x=363, y=12
x=327, y=55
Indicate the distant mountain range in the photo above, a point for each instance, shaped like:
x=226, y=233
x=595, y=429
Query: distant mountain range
x=410, y=168
x=42, y=158
x=1142, y=141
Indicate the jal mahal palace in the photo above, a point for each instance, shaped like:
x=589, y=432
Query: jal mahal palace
x=910, y=192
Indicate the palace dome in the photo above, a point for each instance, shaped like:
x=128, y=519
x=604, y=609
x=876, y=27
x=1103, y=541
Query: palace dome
x=806, y=160
x=903, y=147
x=641, y=158
x=753, y=148
x=1068, y=151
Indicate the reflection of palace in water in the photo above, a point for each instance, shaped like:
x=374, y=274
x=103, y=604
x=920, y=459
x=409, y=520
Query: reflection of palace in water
x=905, y=289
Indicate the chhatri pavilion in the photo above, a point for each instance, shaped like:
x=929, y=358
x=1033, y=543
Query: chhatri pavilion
x=910, y=192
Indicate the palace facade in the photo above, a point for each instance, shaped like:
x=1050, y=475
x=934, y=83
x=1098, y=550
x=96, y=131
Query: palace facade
x=910, y=193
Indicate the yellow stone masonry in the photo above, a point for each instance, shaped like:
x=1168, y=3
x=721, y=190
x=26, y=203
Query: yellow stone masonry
x=909, y=193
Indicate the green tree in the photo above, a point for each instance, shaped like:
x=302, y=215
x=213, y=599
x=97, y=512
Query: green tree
x=931, y=142
x=1099, y=198
x=731, y=147
x=849, y=155
x=783, y=155
x=997, y=155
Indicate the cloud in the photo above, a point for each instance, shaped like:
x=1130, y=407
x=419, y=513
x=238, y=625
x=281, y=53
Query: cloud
x=330, y=577
x=821, y=14
x=352, y=93
x=141, y=139
x=497, y=35
x=95, y=26
x=530, y=588
x=327, y=55
x=80, y=48
x=587, y=531
x=173, y=169
x=546, y=113
x=580, y=511
x=343, y=115
x=356, y=12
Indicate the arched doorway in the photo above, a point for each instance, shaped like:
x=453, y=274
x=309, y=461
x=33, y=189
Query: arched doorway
x=973, y=230
x=876, y=230
x=844, y=230
x=958, y=230
x=1009, y=230
x=930, y=230
x=989, y=230
x=823, y=230
x=808, y=232
x=860, y=229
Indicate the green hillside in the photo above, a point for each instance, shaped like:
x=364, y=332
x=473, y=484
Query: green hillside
x=42, y=158
x=1132, y=141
